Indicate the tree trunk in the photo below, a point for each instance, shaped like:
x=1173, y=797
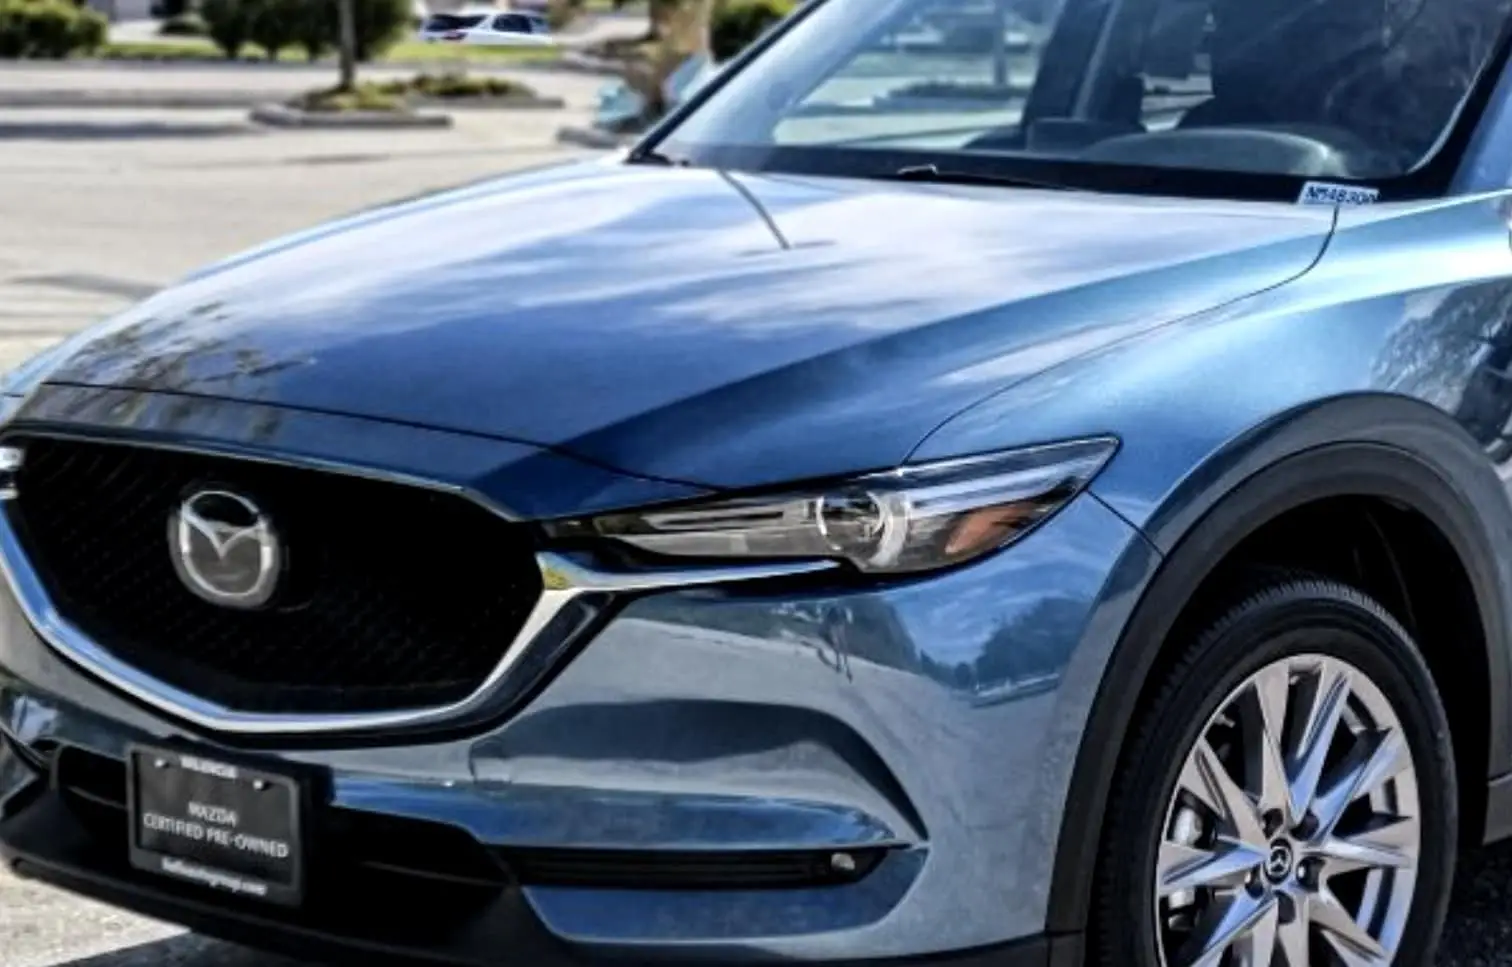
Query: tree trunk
x=1000, y=44
x=682, y=28
x=346, y=16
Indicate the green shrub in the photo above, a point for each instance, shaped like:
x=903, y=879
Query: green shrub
x=275, y=24
x=365, y=97
x=183, y=25
x=51, y=29
x=90, y=31
x=455, y=84
x=379, y=23
x=738, y=23
x=314, y=33
x=228, y=24
x=14, y=37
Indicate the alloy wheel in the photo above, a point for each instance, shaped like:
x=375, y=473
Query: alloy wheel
x=1293, y=834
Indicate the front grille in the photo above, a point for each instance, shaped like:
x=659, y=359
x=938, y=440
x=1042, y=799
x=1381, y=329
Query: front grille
x=393, y=597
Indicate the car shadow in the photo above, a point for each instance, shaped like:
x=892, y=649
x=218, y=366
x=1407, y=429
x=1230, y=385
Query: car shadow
x=1478, y=929
x=1477, y=933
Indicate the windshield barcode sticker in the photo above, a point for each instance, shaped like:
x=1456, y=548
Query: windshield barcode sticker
x=1327, y=193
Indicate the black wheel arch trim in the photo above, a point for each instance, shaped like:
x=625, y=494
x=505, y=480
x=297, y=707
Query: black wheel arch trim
x=1371, y=445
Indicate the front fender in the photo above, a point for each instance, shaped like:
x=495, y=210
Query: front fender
x=1233, y=506
x=1383, y=372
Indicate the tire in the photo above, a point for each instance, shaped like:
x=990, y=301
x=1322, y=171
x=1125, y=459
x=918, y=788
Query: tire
x=1179, y=850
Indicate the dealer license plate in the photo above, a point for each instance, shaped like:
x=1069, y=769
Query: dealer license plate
x=221, y=826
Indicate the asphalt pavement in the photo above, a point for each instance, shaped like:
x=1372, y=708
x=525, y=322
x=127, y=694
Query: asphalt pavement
x=100, y=208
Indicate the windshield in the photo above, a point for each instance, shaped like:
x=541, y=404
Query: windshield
x=1348, y=90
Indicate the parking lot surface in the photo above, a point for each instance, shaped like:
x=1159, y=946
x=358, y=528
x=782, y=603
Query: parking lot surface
x=98, y=209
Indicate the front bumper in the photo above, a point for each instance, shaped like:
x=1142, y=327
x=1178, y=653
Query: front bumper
x=368, y=920
x=936, y=722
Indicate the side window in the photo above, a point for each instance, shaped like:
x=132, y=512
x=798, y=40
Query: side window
x=446, y=21
x=511, y=23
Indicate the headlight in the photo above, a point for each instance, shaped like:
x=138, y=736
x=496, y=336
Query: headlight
x=914, y=519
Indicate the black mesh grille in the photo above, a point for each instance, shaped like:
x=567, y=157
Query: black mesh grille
x=394, y=597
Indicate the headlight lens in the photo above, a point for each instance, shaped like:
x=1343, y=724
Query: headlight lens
x=918, y=518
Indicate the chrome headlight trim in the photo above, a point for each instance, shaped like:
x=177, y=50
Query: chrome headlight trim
x=912, y=520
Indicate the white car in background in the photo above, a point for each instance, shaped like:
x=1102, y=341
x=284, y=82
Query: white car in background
x=488, y=27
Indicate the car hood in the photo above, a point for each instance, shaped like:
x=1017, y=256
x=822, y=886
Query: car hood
x=691, y=325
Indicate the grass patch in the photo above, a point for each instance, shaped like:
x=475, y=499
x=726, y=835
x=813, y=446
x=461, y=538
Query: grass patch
x=417, y=52
x=184, y=25
x=366, y=97
x=396, y=95
x=452, y=85
x=201, y=50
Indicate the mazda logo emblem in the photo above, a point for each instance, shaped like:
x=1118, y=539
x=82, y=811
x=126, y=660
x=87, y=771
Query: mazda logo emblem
x=225, y=549
x=1279, y=864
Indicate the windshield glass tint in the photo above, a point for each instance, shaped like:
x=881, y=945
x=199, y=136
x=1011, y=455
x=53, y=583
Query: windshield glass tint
x=1348, y=89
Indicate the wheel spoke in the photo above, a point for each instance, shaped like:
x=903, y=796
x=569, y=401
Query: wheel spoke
x=1329, y=692
x=1294, y=936
x=1256, y=948
x=1188, y=867
x=1388, y=843
x=1268, y=760
x=1376, y=758
x=1207, y=778
x=1346, y=936
x=1230, y=921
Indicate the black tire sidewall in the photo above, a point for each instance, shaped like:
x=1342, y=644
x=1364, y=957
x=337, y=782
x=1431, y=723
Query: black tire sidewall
x=1291, y=618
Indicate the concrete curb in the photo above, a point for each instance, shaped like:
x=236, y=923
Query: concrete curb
x=283, y=116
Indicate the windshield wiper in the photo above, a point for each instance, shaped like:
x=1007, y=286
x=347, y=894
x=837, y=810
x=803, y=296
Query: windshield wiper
x=945, y=176
x=654, y=157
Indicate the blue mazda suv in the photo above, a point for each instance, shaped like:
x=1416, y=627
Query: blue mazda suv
x=1028, y=499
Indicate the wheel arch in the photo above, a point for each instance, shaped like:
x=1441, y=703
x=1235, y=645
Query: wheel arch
x=1389, y=448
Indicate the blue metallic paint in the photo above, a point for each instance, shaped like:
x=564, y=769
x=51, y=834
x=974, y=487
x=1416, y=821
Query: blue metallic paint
x=478, y=310
x=946, y=716
x=516, y=479
x=822, y=720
